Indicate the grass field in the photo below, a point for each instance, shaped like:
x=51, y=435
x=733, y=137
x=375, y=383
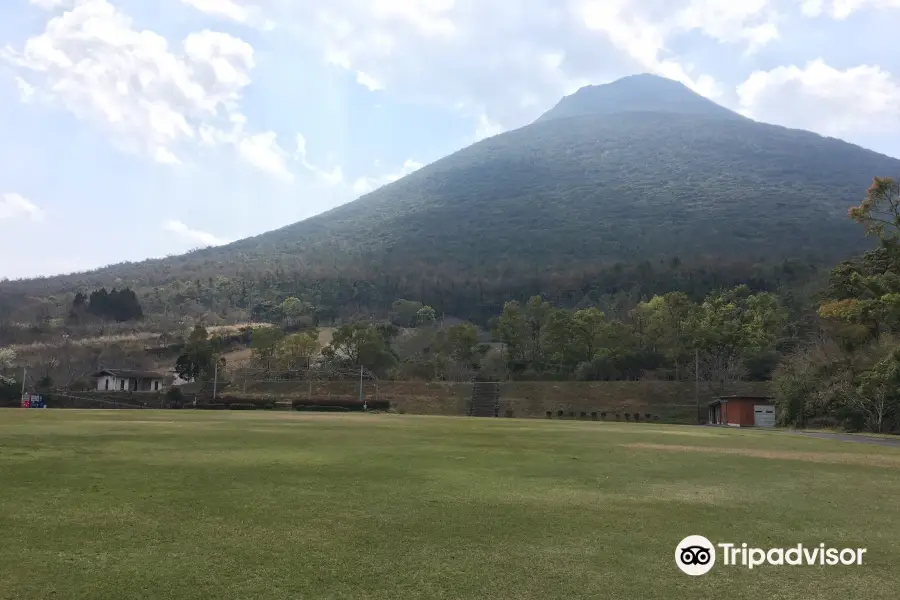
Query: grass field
x=252, y=505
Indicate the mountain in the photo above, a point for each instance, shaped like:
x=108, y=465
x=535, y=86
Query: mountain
x=636, y=93
x=641, y=169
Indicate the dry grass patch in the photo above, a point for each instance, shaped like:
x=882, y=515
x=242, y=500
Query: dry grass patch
x=225, y=329
x=833, y=458
x=691, y=493
x=89, y=342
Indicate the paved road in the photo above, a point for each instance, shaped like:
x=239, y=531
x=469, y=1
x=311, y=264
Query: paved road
x=852, y=437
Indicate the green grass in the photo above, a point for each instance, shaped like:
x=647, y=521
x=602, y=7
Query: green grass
x=178, y=504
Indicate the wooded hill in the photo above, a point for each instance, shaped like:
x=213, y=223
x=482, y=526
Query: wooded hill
x=619, y=192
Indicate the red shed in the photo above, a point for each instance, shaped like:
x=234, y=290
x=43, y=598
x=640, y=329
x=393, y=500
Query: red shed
x=742, y=411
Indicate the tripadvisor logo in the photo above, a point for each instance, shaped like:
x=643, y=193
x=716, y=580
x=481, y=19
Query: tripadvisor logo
x=696, y=555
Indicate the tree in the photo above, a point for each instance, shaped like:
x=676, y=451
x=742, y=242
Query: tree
x=456, y=353
x=78, y=309
x=264, y=345
x=670, y=323
x=361, y=344
x=297, y=350
x=589, y=331
x=879, y=211
x=512, y=329
x=862, y=299
x=734, y=325
x=460, y=342
x=851, y=388
x=266, y=311
x=404, y=313
x=7, y=358
x=293, y=308
x=197, y=362
x=119, y=305
x=563, y=348
x=536, y=312
x=425, y=316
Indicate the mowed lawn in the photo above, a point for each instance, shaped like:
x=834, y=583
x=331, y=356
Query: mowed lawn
x=254, y=505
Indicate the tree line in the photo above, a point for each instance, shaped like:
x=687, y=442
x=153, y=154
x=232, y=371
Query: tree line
x=848, y=376
x=731, y=335
x=838, y=365
x=116, y=305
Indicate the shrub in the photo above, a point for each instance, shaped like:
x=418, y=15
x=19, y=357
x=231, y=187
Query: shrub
x=593, y=416
x=560, y=414
x=647, y=416
x=549, y=414
x=10, y=392
x=637, y=416
x=174, y=398
x=583, y=414
x=627, y=416
x=80, y=385
x=603, y=416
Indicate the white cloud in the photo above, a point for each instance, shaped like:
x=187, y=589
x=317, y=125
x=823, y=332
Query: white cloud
x=368, y=82
x=487, y=128
x=14, y=206
x=642, y=40
x=223, y=8
x=364, y=185
x=165, y=156
x=334, y=176
x=51, y=4
x=751, y=22
x=841, y=9
x=150, y=99
x=26, y=90
x=194, y=236
x=427, y=17
x=822, y=98
x=812, y=8
x=484, y=58
x=263, y=152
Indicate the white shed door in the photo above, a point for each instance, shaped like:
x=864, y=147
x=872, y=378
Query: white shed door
x=764, y=415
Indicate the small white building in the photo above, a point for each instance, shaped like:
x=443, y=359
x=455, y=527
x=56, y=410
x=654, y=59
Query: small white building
x=121, y=380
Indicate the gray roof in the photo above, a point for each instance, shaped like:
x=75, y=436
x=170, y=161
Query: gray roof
x=721, y=399
x=128, y=374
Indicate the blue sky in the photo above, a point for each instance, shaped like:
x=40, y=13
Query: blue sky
x=137, y=128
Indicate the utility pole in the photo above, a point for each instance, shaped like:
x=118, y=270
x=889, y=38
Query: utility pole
x=360, y=383
x=697, y=382
x=24, y=371
x=215, y=379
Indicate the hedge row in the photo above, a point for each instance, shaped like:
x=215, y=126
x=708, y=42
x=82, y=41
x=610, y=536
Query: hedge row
x=323, y=404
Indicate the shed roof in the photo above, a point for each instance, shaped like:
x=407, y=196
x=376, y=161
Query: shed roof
x=128, y=374
x=720, y=399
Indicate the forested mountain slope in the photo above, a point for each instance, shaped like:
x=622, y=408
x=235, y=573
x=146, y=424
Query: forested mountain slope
x=638, y=170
